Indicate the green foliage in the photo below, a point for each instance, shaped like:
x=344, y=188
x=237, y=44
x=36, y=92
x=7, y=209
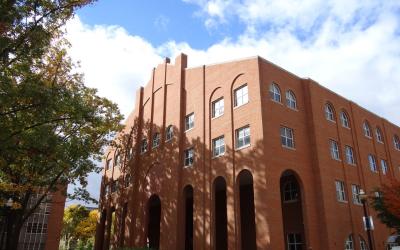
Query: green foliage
x=52, y=127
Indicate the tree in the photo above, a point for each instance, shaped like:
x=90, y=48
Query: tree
x=52, y=127
x=387, y=204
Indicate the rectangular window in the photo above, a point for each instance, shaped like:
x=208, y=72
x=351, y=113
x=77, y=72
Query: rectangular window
x=241, y=96
x=189, y=121
x=156, y=140
x=384, y=166
x=143, y=146
x=242, y=137
x=218, y=108
x=294, y=241
x=334, y=150
x=218, y=146
x=340, y=192
x=108, y=164
x=355, y=190
x=349, y=155
x=189, y=157
x=372, y=163
x=287, y=139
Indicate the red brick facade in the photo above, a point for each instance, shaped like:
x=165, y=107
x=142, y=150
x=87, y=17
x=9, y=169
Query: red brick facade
x=259, y=194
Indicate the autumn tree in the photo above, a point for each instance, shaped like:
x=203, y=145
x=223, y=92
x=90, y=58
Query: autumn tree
x=52, y=127
x=387, y=204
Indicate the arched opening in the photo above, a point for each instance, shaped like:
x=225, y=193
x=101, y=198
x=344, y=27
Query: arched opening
x=247, y=213
x=220, y=216
x=154, y=218
x=292, y=211
x=188, y=197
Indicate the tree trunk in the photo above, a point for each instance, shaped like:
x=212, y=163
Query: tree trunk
x=14, y=226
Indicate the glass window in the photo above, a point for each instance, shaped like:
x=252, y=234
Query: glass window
x=291, y=100
x=396, y=142
x=241, y=96
x=189, y=121
x=363, y=244
x=379, y=136
x=334, y=150
x=143, y=146
x=384, y=166
x=287, y=139
x=344, y=120
x=329, y=114
x=355, y=190
x=127, y=180
x=367, y=130
x=169, y=133
x=290, y=191
x=340, y=191
x=218, y=108
x=242, y=137
x=218, y=146
x=349, y=245
x=117, y=160
x=275, y=92
x=130, y=153
x=189, y=157
x=156, y=140
x=294, y=241
x=349, y=155
x=372, y=163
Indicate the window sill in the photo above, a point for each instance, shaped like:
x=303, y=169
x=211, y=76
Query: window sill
x=277, y=102
x=189, y=129
x=352, y=164
x=290, y=148
x=242, y=147
x=329, y=120
x=215, y=117
x=368, y=137
x=344, y=202
x=381, y=142
x=236, y=107
x=188, y=166
x=336, y=159
x=294, y=109
x=218, y=156
x=291, y=201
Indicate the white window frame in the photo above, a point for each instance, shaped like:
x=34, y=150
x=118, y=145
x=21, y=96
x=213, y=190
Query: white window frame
x=189, y=121
x=156, y=140
x=367, y=130
x=344, y=119
x=396, y=142
x=218, y=146
x=218, y=107
x=334, y=148
x=275, y=92
x=287, y=137
x=296, y=245
x=169, y=133
x=188, y=157
x=372, y=163
x=363, y=244
x=329, y=113
x=355, y=191
x=379, y=136
x=143, y=146
x=350, y=155
x=241, y=95
x=349, y=243
x=242, y=137
x=384, y=166
x=340, y=191
x=291, y=101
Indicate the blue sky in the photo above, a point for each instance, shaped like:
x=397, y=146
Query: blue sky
x=350, y=46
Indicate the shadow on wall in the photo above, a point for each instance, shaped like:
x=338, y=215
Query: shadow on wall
x=159, y=202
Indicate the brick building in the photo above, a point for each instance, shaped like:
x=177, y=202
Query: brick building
x=244, y=155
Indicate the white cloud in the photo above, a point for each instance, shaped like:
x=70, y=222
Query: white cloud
x=354, y=51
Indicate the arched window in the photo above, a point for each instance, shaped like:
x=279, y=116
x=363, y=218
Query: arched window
x=363, y=244
x=127, y=180
x=117, y=160
x=396, y=142
x=156, y=140
x=143, y=146
x=290, y=191
x=169, y=133
x=275, y=92
x=367, y=129
x=344, y=119
x=379, y=136
x=348, y=244
x=329, y=113
x=291, y=100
